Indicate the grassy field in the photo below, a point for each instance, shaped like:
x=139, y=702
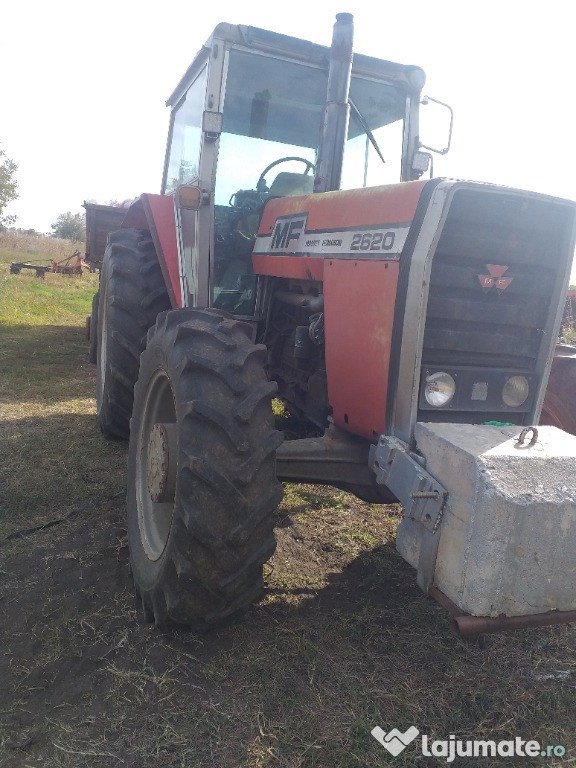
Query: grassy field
x=343, y=640
x=52, y=455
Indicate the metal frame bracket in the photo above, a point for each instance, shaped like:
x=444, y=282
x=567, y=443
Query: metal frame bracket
x=422, y=496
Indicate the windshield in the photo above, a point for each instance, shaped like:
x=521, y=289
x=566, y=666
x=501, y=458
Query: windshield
x=273, y=109
x=373, y=152
x=272, y=116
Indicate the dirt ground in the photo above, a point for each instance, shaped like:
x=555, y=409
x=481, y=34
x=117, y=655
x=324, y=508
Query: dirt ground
x=342, y=640
x=87, y=682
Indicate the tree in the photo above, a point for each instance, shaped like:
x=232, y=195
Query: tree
x=8, y=186
x=70, y=226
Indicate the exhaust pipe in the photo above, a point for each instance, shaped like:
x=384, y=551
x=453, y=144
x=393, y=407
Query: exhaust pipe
x=334, y=128
x=468, y=626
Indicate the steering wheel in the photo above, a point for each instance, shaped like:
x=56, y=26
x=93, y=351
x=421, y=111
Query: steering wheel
x=309, y=167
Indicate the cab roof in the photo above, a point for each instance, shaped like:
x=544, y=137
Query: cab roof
x=274, y=43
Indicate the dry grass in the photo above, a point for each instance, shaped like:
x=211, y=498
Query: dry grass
x=342, y=641
x=37, y=246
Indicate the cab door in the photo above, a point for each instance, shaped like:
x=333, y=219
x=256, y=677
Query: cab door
x=187, y=165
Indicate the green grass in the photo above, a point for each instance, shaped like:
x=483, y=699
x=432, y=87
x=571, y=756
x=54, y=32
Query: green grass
x=51, y=452
x=342, y=641
x=53, y=300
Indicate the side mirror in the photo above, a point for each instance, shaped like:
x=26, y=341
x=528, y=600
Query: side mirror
x=425, y=101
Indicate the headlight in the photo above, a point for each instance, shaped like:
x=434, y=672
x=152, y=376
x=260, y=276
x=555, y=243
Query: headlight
x=515, y=391
x=439, y=389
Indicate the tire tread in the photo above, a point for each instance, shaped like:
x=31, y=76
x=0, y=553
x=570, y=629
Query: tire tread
x=227, y=489
x=135, y=294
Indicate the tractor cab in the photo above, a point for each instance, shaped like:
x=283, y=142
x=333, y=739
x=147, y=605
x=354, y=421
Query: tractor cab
x=245, y=127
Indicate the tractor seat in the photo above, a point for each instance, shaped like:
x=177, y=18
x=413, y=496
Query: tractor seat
x=288, y=184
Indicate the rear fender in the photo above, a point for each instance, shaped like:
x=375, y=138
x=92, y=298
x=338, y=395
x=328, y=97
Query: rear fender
x=156, y=214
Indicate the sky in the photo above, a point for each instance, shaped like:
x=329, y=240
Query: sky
x=83, y=86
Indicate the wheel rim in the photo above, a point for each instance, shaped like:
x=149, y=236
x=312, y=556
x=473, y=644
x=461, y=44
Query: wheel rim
x=156, y=466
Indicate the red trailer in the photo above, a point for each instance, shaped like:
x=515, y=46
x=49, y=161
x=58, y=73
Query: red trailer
x=100, y=221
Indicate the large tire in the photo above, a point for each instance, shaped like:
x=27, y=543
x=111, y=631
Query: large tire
x=202, y=485
x=132, y=294
x=559, y=408
x=92, y=325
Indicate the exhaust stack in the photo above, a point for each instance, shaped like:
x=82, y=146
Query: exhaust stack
x=334, y=128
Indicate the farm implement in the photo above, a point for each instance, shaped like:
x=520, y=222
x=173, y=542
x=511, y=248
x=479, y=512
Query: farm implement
x=71, y=265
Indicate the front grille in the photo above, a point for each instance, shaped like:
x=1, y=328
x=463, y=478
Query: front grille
x=488, y=328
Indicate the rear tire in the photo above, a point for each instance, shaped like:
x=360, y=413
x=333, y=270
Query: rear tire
x=92, y=326
x=132, y=293
x=202, y=485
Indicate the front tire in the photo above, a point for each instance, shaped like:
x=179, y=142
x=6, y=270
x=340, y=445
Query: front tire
x=202, y=486
x=132, y=293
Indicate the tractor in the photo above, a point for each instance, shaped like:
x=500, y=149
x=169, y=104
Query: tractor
x=296, y=253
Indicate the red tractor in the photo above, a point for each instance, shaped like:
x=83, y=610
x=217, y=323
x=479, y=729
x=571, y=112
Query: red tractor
x=295, y=253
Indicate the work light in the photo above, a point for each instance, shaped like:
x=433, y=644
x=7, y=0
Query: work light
x=515, y=391
x=439, y=389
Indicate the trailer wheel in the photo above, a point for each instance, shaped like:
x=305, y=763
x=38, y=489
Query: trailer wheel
x=92, y=329
x=202, y=486
x=132, y=293
x=559, y=408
